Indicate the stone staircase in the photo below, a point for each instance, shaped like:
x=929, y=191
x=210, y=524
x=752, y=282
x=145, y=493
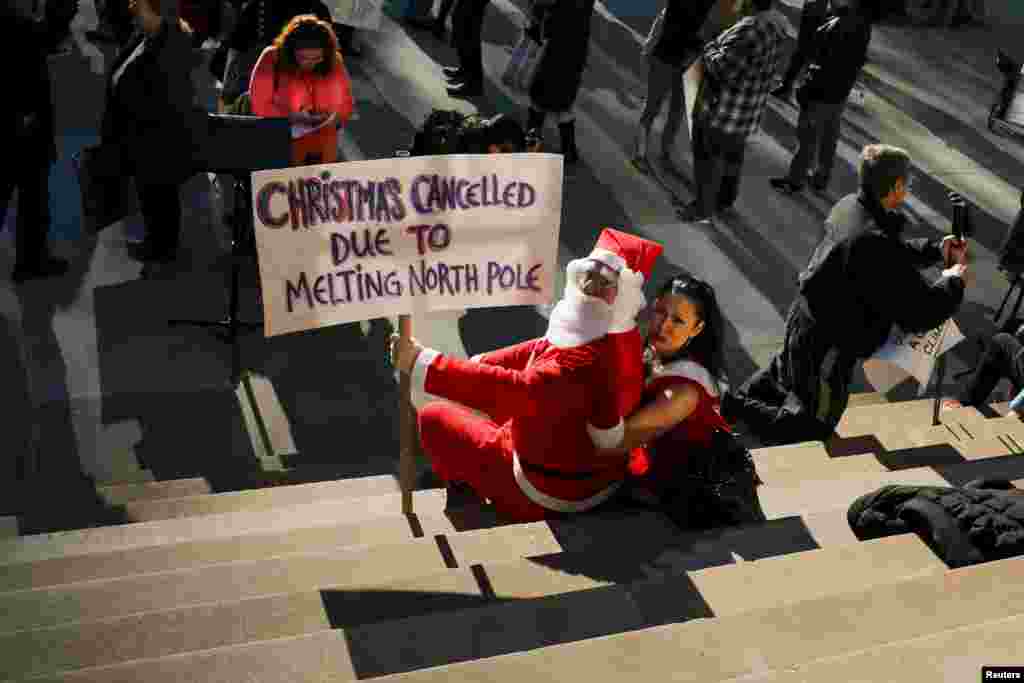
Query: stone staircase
x=329, y=582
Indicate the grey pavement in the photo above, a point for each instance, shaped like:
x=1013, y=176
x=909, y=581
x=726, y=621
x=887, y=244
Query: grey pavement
x=97, y=386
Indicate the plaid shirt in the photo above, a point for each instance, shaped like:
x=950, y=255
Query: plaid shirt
x=740, y=65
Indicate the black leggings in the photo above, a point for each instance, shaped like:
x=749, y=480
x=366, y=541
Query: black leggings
x=1004, y=357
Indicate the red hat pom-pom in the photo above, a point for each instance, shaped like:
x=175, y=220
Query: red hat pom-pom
x=639, y=462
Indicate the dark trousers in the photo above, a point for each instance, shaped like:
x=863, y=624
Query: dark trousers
x=717, y=164
x=818, y=136
x=160, y=206
x=802, y=394
x=665, y=80
x=1003, y=357
x=467, y=25
x=33, y=184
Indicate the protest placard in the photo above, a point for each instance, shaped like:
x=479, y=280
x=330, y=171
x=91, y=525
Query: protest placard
x=910, y=354
x=365, y=14
x=359, y=240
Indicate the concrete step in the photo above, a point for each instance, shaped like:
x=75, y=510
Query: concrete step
x=815, y=496
x=866, y=398
x=259, y=499
x=361, y=566
x=8, y=526
x=783, y=465
x=954, y=655
x=513, y=597
x=124, y=493
x=428, y=503
x=866, y=419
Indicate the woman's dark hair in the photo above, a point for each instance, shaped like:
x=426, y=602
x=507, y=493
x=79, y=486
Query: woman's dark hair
x=707, y=347
x=303, y=31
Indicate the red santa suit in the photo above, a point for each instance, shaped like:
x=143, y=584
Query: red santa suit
x=659, y=465
x=552, y=403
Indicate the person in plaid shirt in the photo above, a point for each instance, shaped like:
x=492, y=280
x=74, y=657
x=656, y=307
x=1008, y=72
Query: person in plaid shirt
x=739, y=69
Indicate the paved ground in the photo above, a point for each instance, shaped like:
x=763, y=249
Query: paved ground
x=93, y=381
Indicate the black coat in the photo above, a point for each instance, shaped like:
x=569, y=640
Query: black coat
x=681, y=35
x=838, y=52
x=863, y=278
x=151, y=113
x=566, y=27
x=979, y=522
x=24, y=45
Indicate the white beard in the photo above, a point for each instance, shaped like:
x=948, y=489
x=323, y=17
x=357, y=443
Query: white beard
x=577, y=319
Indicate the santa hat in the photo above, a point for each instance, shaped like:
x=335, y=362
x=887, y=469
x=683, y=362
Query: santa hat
x=625, y=253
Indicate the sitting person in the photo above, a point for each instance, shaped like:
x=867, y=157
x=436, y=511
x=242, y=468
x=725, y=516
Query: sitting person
x=1003, y=357
x=861, y=280
x=681, y=401
x=302, y=76
x=551, y=403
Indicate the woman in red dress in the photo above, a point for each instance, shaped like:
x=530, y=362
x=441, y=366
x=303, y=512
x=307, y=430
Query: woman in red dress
x=681, y=404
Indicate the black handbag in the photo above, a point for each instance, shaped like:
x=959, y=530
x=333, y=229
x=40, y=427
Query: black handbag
x=720, y=488
x=108, y=192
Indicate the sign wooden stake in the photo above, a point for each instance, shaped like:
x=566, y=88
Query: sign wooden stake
x=407, y=432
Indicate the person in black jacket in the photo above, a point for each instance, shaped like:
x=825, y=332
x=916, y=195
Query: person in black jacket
x=840, y=50
x=676, y=49
x=812, y=16
x=861, y=280
x=28, y=125
x=150, y=116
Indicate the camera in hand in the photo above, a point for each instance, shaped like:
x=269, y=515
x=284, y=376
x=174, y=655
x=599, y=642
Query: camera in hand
x=962, y=226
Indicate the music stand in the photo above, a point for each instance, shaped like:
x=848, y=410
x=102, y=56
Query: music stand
x=238, y=146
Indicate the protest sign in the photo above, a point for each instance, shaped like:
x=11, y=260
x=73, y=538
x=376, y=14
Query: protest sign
x=365, y=14
x=910, y=354
x=359, y=240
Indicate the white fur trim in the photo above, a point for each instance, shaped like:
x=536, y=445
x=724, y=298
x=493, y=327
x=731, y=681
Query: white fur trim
x=609, y=258
x=628, y=302
x=557, y=504
x=577, y=319
x=478, y=358
x=687, y=369
x=607, y=438
x=418, y=380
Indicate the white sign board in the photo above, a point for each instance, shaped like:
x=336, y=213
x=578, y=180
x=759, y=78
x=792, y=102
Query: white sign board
x=365, y=14
x=910, y=354
x=367, y=239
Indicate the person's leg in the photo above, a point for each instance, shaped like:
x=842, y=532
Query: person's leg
x=444, y=11
x=808, y=131
x=160, y=206
x=567, y=137
x=1002, y=358
x=734, y=149
x=707, y=171
x=465, y=448
x=831, y=122
x=676, y=112
x=535, y=120
x=33, y=257
x=473, y=49
x=658, y=75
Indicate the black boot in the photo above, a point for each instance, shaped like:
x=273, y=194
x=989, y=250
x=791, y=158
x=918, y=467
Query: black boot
x=567, y=132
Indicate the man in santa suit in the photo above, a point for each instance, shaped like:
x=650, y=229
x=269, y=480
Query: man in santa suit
x=552, y=404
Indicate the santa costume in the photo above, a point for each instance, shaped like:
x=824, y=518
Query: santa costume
x=551, y=403
x=659, y=467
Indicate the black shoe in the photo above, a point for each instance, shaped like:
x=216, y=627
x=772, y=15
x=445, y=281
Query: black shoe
x=691, y=213
x=785, y=185
x=48, y=267
x=147, y=253
x=465, y=89
x=453, y=71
